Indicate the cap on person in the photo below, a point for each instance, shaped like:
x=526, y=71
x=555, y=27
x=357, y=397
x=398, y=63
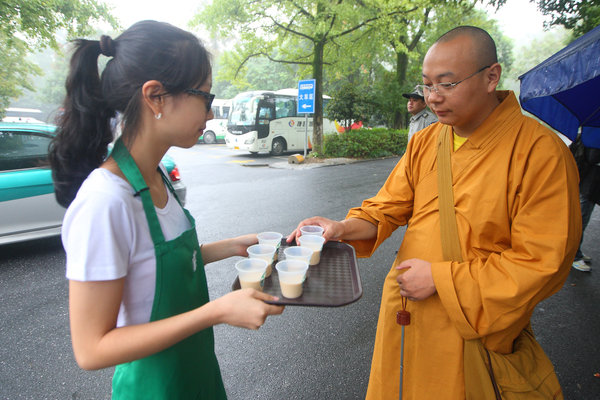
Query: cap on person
x=415, y=95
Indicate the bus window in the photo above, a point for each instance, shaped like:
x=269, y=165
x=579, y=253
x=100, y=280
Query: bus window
x=285, y=107
x=225, y=112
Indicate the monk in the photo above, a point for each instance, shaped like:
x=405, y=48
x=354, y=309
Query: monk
x=517, y=210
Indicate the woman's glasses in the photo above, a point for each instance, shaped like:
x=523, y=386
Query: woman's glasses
x=208, y=96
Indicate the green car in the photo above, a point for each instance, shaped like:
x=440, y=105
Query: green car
x=27, y=204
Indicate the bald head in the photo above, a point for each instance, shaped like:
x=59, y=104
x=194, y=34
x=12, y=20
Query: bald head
x=483, y=45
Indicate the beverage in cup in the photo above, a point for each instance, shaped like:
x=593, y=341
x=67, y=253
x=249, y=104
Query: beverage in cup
x=291, y=276
x=271, y=238
x=298, y=253
x=251, y=273
x=264, y=252
x=311, y=230
x=315, y=243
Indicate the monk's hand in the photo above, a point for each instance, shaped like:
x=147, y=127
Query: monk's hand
x=332, y=230
x=415, y=279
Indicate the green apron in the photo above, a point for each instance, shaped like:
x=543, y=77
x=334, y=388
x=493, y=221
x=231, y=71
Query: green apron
x=188, y=369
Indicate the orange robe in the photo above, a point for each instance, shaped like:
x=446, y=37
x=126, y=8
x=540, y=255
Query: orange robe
x=517, y=209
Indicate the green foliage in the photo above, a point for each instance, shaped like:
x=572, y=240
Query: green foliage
x=366, y=143
x=28, y=25
x=348, y=103
x=532, y=53
x=15, y=70
x=306, y=33
x=580, y=16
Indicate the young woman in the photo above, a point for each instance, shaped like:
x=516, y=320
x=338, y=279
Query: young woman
x=138, y=296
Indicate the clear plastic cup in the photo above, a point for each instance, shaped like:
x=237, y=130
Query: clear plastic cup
x=311, y=230
x=251, y=273
x=271, y=238
x=264, y=252
x=291, y=276
x=315, y=243
x=298, y=253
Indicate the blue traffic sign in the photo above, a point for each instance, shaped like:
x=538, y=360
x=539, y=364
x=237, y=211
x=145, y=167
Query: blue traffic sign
x=306, y=96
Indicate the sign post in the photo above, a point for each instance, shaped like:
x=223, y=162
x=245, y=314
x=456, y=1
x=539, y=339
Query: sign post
x=306, y=104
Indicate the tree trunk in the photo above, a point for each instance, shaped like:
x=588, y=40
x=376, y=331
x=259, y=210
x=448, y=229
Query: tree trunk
x=401, y=65
x=318, y=114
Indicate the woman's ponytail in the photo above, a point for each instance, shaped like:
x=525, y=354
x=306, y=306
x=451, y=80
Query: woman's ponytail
x=84, y=131
x=148, y=50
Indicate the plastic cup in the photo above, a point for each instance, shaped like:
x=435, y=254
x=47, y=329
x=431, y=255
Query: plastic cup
x=291, y=276
x=264, y=252
x=271, y=238
x=315, y=243
x=298, y=253
x=251, y=273
x=311, y=230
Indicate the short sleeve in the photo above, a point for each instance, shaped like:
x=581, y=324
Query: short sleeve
x=97, y=235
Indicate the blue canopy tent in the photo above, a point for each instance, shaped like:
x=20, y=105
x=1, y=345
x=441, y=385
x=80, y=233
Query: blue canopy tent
x=564, y=90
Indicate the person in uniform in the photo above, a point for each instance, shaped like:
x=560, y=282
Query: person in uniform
x=421, y=117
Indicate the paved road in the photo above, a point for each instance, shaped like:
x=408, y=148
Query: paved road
x=307, y=353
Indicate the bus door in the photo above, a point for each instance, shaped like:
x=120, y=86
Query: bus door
x=264, y=115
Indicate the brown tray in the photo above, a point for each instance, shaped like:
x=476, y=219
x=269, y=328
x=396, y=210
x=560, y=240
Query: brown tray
x=333, y=282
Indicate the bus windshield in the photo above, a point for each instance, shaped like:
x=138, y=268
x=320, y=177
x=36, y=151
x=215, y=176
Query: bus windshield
x=243, y=111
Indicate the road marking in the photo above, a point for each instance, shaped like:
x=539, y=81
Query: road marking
x=241, y=161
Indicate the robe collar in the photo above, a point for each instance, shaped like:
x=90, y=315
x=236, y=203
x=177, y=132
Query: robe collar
x=502, y=119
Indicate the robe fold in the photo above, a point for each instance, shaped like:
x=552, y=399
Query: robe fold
x=517, y=208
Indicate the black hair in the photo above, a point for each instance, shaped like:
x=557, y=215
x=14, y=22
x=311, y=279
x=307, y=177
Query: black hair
x=148, y=50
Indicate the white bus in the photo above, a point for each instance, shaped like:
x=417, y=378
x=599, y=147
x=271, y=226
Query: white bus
x=216, y=128
x=263, y=121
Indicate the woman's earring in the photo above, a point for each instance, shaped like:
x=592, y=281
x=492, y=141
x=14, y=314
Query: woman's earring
x=158, y=116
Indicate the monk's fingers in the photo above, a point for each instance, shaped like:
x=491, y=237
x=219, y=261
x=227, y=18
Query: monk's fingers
x=408, y=294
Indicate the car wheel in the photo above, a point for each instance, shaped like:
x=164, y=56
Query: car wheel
x=209, y=137
x=278, y=147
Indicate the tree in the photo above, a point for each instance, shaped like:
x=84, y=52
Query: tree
x=579, y=15
x=408, y=37
x=298, y=31
x=27, y=25
x=350, y=103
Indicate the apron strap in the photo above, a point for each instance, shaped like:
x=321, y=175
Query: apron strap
x=131, y=171
x=167, y=182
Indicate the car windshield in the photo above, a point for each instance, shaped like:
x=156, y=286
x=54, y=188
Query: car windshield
x=243, y=111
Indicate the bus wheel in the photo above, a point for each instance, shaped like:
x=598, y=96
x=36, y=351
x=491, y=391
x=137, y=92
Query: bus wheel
x=278, y=147
x=209, y=137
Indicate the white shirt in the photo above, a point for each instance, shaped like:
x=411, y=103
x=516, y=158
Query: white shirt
x=106, y=237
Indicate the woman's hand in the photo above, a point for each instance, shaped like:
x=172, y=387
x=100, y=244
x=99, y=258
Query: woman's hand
x=246, y=308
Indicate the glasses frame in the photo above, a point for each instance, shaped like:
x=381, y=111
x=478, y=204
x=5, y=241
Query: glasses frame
x=448, y=86
x=208, y=96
